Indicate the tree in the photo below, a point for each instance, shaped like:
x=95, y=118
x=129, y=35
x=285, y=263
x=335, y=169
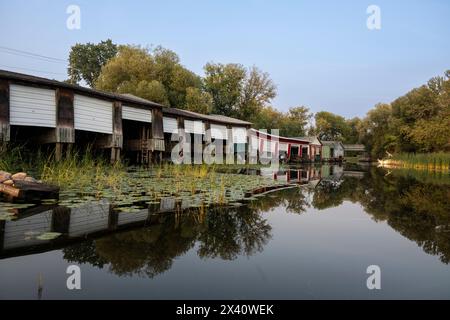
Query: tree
x=237, y=91
x=353, y=134
x=155, y=75
x=268, y=118
x=295, y=121
x=198, y=101
x=87, y=60
x=151, y=90
x=225, y=84
x=330, y=126
x=376, y=130
x=257, y=92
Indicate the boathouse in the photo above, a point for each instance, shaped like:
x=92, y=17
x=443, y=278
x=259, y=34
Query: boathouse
x=332, y=151
x=268, y=144
x=314, y=148
x=50, y=112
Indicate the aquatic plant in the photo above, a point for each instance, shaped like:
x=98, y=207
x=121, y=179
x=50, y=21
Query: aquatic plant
x=437, y=161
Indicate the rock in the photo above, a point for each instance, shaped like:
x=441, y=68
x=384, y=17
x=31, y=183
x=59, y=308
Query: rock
x=30, y=179
x=4, y=176
x=19, y=176
x=8, y=182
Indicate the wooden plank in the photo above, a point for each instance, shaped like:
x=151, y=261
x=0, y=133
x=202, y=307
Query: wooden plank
x=157, y=124
x=4, y=111
x=4, y=101
x=25, y=190
x=61, y=219
x=64, y=108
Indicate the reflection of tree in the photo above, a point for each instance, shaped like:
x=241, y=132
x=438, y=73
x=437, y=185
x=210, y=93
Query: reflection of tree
x=228, y=233
x=84, y=252
x=294, y=200
x=149, y=251
x=332, y=192
x=417, y=210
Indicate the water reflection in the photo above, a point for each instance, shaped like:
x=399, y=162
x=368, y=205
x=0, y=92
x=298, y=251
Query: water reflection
x=146, y=242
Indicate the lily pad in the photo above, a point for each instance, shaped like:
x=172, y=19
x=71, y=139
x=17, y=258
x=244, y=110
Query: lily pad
x=48, y=236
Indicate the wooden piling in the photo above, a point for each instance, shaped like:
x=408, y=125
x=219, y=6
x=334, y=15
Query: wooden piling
x=61, y=219
x=4, y=111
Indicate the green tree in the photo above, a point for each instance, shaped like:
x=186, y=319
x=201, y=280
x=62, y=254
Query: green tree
x=237, y=91
x=353, y=134
x=225, y=84
x=268, y=118
x=155, y=75
x=295, y=122
x=198, y=101
x=87, y=60
x=330, y=126
x=375, y=130
x=257, y=92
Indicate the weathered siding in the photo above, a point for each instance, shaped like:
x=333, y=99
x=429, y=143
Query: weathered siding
x=191, y=126
x=170, y=125
x=32, y=106
x=239, y=134
x=136, y=114
x=23, y=232
x=88, y=219
x=126, y=218
x=93, y=115
x=219, y=132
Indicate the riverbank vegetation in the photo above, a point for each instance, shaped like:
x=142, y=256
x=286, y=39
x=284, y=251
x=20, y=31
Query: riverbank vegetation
x=437, y=161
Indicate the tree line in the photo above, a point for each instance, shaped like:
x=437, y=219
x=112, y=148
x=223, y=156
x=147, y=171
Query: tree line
x=416, y=122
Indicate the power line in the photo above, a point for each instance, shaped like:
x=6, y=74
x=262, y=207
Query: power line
x=31, y=55
x=33, y=70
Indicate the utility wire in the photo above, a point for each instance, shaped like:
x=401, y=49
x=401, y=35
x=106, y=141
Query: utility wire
x=33, y=70
x=31, y=55
x=40, y=57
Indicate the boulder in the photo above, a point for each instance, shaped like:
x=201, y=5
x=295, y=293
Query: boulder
x=19, y=176
x=30, y=179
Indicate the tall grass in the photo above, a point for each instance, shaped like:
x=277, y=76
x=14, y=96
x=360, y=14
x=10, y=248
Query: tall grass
x=81, y=170
x=76, y=170
x=437, y=161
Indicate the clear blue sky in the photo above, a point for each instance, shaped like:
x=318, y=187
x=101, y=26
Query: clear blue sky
x=319, y=53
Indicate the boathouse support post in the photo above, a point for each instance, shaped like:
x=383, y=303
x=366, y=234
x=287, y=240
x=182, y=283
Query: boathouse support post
x=117, y=135
x=113, y=218
x=157, y=135
x=4, y=111
x=229, y=146
x=64, y=133
x=61, y=219
x=182, y=139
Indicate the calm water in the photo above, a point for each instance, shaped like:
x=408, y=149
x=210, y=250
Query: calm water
x=312, y=241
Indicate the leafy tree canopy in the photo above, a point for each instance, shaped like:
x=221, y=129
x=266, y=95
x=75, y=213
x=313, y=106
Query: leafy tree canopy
x=87, y=60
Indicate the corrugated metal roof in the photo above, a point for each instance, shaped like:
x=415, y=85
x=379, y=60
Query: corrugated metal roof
x=310, y=139
x=212, y=118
